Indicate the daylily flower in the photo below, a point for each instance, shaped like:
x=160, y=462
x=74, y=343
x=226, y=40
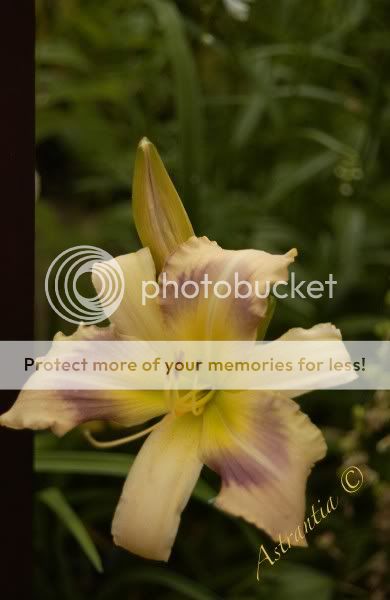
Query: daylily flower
x=260, y=443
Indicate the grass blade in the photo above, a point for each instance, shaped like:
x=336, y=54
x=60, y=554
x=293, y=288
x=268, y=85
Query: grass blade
x=187, y=98
x=55, y=500
x=111, y=464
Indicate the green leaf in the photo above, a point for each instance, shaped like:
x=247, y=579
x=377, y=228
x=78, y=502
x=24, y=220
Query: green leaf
x=328, y=141
x=54, y=499
x=312, y=92
x=112, y=464
x=297, y=175
x=85, y=463
x=306, y=50
x=60, y=54
x=255, y=108
x=295, y=581
x=187, y=98
x=184, y=588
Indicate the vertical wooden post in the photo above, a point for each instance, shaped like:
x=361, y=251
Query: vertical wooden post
x=16, y=281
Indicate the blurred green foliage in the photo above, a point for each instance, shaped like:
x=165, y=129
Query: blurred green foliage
x=276, y=130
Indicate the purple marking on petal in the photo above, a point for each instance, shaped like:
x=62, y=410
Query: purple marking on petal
x=173, y=302
x=245, y=311
x=272, y=435
x=238, y=467
x=269, y=439
x=88, y=406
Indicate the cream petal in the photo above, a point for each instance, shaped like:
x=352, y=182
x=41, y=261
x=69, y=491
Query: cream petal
x=136, y=316
x=63, y=409
x=158, y=487
x=263, y=447
x=322, y=332
x=213, y=317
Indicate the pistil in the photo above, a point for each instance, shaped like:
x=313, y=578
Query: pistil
x=193, y=401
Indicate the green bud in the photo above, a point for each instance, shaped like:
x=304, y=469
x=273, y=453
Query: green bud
x=159, y=215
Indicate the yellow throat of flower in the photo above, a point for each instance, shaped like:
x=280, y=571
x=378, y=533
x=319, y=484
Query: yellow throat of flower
x=192, y=401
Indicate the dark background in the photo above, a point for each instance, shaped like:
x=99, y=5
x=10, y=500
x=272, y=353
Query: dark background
x=17, y=283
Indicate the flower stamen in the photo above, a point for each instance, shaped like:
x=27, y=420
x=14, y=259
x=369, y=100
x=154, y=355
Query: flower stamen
x=118, y=442
x=193, y=401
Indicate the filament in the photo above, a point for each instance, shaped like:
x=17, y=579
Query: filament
x=118, y=442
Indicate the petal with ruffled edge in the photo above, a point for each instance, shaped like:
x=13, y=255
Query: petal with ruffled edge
x=158, y=487
x=208, y=315
x=135, y=316
x=263, y=447
x=63, y=409
x=322, y=332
